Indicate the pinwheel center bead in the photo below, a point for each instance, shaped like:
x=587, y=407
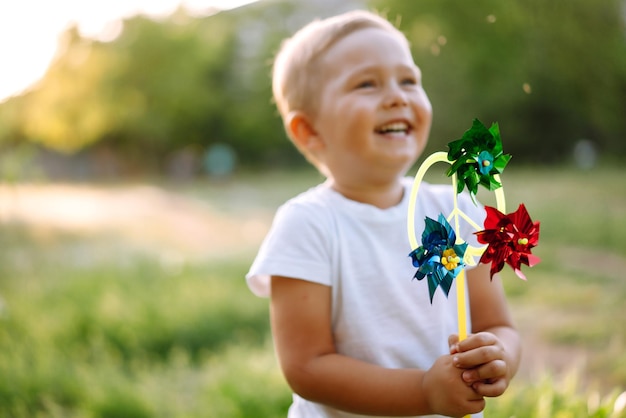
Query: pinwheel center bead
x=450, y=260
x=522, y=241
x=484, y=159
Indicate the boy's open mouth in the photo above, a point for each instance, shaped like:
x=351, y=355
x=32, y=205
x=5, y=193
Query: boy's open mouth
x=393, y=128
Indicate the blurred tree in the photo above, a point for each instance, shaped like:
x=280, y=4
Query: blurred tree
x=158, y=87
x=167, y=86
x=68, y=112
x=254, y=128
x=549, y=72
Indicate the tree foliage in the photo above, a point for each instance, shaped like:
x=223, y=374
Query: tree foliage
x=549, y=72
x=159, y=87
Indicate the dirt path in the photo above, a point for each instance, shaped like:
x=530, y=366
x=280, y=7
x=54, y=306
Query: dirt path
x=146, y=217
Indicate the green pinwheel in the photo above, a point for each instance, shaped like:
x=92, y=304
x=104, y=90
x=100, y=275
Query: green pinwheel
x=477, y=157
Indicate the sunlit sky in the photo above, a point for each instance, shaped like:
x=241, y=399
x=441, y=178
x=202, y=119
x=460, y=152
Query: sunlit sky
x=29, y=29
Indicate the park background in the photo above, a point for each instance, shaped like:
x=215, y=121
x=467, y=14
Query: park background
x=140, y=173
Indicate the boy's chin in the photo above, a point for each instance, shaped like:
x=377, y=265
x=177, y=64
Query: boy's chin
x=404, y=163
x=400, y=169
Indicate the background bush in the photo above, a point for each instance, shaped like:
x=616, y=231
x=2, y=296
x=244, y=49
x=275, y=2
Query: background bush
x=165, y=91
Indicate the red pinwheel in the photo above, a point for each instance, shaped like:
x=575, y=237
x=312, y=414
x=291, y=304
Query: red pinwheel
x=509, y=239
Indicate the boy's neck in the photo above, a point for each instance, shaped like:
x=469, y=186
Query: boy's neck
x=382, y=196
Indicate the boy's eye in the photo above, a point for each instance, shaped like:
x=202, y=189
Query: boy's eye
x=409, y=81
x=365, y=84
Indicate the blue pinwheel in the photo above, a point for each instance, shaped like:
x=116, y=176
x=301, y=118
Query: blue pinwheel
x=439, y=258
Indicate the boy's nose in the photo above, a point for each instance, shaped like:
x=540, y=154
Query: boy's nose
x=395, y=96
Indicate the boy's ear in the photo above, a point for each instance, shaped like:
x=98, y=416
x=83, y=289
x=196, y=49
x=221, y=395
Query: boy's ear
x=302, y=132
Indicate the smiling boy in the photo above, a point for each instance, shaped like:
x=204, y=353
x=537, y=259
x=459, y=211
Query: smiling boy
x=353, y=334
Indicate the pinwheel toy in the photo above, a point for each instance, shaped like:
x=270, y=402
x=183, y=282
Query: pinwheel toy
x=439, y=258
x=475, y=159
x=509, y=239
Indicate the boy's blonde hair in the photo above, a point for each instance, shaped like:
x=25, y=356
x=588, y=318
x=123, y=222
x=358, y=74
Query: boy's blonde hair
x=295, y=77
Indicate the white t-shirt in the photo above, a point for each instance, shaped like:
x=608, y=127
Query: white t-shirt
x=380, y=314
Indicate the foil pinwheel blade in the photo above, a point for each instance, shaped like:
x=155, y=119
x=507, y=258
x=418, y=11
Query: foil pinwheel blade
x=510, y=239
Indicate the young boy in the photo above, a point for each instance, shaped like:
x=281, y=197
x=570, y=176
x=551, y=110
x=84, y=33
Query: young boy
x=354, y=335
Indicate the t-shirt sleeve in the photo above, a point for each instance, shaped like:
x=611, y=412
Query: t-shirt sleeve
x=297, y=245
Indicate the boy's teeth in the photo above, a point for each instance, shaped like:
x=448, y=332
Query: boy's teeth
x=394, y=127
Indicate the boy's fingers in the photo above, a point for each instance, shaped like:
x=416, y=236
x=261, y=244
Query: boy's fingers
x=493, y=370
x=477, y=357
x=477, y=340
x=453, y=339
x=452, y=343
x=491, y=389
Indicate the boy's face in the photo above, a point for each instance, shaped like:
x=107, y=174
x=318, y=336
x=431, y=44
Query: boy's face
x=374, y=116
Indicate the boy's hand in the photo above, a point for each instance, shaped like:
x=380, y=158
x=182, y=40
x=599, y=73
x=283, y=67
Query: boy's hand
x=483, y=362
x=447, y=393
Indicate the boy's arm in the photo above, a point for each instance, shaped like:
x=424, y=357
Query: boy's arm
x=492, y=353
x=301, y=326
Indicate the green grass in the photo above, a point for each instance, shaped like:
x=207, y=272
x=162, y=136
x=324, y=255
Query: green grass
x=91, y=327
x=126, y=337
x=549, y=397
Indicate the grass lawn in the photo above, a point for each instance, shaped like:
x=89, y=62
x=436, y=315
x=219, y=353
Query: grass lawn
x=129, y=300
